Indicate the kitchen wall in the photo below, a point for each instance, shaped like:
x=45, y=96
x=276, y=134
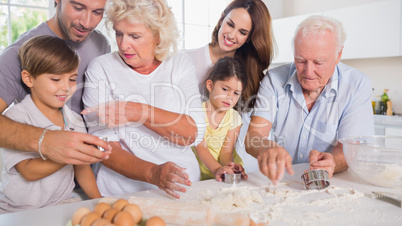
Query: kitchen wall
x=383, y=72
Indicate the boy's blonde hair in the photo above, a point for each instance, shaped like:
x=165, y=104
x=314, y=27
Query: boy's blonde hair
x=48, y=54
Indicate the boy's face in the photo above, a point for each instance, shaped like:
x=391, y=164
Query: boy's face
x=78, y=18
x=50, y=91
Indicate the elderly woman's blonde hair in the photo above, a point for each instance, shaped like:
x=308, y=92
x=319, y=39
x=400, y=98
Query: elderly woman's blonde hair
x=156, y=15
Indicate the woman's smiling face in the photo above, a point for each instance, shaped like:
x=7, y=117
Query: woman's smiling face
x=235, y=29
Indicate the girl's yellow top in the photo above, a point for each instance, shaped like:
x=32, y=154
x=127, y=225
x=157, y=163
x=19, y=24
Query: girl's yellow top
x=214, y=139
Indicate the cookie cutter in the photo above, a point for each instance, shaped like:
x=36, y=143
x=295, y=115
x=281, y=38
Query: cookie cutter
x=316, y=179
x=104, y=139
x=232, y=178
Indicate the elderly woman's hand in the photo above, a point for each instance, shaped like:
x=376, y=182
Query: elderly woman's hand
x=115, y=113
x=168, y=176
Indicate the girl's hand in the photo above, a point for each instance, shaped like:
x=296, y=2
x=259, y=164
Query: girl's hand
x=220, y=172
x=230, y=168
x=238, y=168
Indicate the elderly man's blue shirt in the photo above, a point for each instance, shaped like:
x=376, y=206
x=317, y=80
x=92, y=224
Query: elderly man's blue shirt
x=342, y=109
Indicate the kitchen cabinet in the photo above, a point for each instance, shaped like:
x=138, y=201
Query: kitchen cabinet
x=388, y=125
x=373, y=30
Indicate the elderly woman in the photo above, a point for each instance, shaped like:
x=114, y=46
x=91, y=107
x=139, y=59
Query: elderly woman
x=152, y=94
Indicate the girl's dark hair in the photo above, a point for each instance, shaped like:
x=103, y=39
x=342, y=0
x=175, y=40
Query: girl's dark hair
x=258, y=51
x=227, y=67
x=47, y=54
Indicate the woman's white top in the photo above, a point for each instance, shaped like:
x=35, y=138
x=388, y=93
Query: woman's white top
x=203, y=63
x=172, y=86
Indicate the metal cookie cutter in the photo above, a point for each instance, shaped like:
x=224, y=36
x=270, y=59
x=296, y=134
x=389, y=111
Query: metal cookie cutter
x=316, y=179
x=104, y=139
x=232, y=178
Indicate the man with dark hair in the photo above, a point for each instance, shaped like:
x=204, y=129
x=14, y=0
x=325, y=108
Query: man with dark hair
x=74, y=21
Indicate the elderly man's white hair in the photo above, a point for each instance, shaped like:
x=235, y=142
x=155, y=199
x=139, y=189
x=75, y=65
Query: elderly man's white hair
x=317, y=25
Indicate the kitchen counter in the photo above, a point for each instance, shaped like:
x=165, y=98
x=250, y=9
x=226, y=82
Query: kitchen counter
x=388, y=125
x=388, y=120
x=288, y=203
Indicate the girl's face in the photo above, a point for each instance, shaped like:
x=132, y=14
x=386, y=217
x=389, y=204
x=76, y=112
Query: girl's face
x=50, y=91
x=234, y=30
x=224, y=95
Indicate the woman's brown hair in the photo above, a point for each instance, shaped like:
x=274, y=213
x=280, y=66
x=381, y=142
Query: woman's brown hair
x=258, y=51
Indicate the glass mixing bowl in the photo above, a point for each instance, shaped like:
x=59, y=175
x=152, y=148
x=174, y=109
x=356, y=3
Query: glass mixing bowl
x=375, y=159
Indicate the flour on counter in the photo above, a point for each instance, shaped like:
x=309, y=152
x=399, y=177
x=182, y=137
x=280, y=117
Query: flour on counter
x=279, y=201
x=231, y=199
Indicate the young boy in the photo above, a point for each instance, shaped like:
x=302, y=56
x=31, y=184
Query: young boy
x=29, y=180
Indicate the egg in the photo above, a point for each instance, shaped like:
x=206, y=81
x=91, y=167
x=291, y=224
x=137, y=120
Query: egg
x=123, y=218
x=101, y=208
x=101, y=222
x=89, y=218
x=110, y=214
x=120, y=204
x=135, y=212
x=78, y=214
x=155, y=221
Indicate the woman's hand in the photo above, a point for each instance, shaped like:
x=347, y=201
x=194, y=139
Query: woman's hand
x=115, y=113
x=168, y=176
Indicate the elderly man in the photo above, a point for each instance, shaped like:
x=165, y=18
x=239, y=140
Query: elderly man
x=309, y=104
x=75, y=22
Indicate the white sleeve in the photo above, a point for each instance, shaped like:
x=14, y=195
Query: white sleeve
x=188, y=84
x=266, y=103
x=95, y=92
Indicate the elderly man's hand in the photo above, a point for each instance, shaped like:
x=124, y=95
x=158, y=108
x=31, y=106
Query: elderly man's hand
x=322, y=160
x=167, y=176
x=273, y=161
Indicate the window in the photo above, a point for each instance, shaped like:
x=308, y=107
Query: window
x=18, y=16
x=196, y=20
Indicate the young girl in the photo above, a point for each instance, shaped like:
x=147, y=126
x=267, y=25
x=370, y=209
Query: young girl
x=29, y=180
x=216, y=154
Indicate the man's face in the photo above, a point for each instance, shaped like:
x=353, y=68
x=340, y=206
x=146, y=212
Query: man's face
x=78, y=18
x=315, y=60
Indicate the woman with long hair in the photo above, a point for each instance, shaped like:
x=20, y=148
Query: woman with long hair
x=243, y=31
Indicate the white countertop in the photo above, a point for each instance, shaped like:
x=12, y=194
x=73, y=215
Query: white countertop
x=287, y=204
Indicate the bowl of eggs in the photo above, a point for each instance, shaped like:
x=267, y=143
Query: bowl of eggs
x=119, y=213
x=375, y=159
